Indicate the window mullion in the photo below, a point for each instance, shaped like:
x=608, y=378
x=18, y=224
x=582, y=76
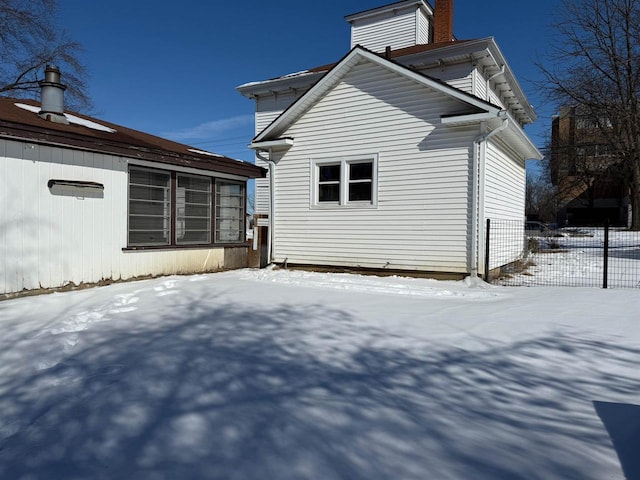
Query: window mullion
x=173, y=209
x=214, y=204
x=344, y=182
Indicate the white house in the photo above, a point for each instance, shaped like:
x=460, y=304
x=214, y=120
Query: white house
x=86, y=201
x=393, y=157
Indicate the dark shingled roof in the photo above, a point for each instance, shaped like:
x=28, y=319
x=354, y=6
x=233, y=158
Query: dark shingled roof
x=19, y=123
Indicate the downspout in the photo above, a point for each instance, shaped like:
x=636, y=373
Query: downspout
x=475, y=189
x=489, y=83
x=272, y=198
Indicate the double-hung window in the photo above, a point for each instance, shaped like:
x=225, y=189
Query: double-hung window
x=348, y=181
x=178, y=209
x=329, y=182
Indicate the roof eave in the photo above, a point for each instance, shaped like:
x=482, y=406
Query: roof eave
x=299, y=81
x=526, y=147
x=469, y=118
x=469, y=47
x=281, y=123
x=58, y=139
x=376, y=11
x=278, y=144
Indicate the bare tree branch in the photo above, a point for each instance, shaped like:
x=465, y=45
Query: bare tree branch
x=29, y=41
x=594, y=66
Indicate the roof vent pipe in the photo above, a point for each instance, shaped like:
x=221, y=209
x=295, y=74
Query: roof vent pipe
x=52, y=96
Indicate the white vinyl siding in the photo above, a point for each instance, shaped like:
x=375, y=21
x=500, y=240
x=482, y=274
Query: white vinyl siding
x=390, y=29
x=495, y=99
x=480, y=85
x=268, y=108
x=424, y=28
x=262, y=191
x=505, y=180
x=460, y=76
x=504, y=199
x=50, y=240
x=481, y=90
x=421, y=220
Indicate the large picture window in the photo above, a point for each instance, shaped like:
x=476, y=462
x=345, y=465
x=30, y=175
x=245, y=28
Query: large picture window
x=176, y=209
x=348, y=181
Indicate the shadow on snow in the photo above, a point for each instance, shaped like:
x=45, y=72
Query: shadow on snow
x=623, y=424
x=239, y=394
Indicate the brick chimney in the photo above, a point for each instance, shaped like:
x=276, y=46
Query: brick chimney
x=443, y=21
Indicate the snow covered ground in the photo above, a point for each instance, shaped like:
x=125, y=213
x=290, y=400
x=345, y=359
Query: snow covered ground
x=577, y=259
x=277, y=374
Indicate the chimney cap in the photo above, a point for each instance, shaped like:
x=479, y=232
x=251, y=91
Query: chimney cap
x=52, y=77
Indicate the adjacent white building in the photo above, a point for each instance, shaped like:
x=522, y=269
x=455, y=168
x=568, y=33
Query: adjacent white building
x=86, y=201
x=393, y=157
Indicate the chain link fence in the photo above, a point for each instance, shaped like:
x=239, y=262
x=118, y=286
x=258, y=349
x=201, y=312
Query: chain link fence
x=586, y=257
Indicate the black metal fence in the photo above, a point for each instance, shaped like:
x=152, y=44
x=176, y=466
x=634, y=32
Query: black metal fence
x=519, y=254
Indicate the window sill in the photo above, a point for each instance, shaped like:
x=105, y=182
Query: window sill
x=206, y=246
x=348, y=206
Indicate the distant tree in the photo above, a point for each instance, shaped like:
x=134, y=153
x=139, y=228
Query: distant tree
x=594, y=65
x=29, y=40
x=541, y=201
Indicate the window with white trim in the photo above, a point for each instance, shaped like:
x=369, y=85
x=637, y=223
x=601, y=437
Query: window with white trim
x=347, y=181
x=329, y=182
x=177, y=209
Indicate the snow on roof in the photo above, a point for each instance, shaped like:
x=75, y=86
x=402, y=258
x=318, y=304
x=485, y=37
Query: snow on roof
x=289, y=75
x=72, y=119
x=203, y=152
x=295, y=74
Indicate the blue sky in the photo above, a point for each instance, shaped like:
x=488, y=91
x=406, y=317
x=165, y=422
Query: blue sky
x=171, y=68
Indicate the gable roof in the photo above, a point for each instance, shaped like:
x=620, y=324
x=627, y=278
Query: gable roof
x=339, y=70
x=19, y=121
x=483, y=52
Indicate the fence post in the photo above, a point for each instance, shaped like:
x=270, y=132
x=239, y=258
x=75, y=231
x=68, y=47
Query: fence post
x=605, y=274
x=487, y=277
